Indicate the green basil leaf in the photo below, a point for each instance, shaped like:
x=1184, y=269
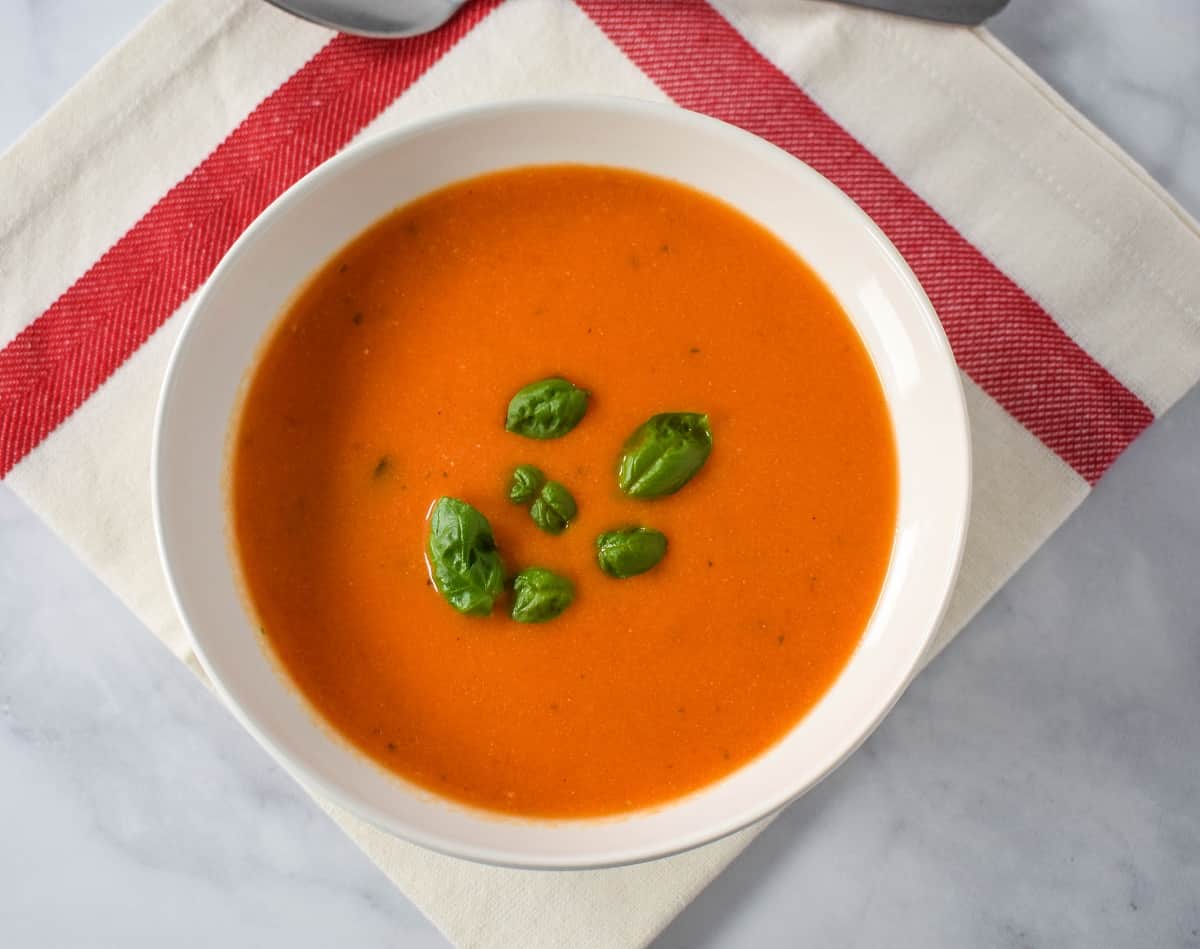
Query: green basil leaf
x=663, y=453
x=630, y=551
x=554, y=508
x=546, y=409
x=525, y=483
x=540, y=595
x=466, y=567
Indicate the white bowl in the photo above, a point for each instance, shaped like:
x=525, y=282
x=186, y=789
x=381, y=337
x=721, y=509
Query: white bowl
x=318, y=215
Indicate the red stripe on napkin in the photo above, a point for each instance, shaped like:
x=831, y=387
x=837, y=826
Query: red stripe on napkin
x=1002, y=339
x=1007, y=343
x=56, y=362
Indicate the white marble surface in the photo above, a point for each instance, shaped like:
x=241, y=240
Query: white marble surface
x=1038, y=786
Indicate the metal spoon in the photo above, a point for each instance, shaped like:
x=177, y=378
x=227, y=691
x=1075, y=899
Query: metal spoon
x=396, y=18
x=383, y=18
x=966, y=12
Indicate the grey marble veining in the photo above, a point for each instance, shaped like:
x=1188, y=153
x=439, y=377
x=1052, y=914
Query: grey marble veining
x=1133, y=68
x=133, y=809
x=1038, y=786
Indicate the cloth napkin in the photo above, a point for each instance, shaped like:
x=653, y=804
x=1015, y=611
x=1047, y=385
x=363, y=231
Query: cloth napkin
x=1066, y=279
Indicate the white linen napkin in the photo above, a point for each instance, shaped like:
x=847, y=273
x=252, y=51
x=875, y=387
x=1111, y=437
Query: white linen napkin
x=1067, y=279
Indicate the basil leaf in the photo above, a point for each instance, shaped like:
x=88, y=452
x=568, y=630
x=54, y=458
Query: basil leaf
x=630, y=551
x=546, y=409
x=463, y=559
x=540, y=595
x=663, y=453
x=526, y=482
x=554, y=508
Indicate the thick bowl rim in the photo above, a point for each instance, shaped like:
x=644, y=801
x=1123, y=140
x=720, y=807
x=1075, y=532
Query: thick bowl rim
x=767, y=804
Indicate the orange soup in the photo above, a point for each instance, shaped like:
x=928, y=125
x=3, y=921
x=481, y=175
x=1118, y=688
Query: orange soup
x=384, y=387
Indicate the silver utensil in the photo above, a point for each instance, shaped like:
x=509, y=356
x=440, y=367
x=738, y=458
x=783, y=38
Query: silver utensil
x=396, y=18
x=966, y=12
x=390, y=19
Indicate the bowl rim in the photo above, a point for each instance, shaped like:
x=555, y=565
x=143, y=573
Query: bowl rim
x=763, y=806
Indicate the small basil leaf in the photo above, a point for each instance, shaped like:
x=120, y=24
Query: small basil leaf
x=546, y=409
x=630, y=551
x=540, y=595
x=554, y=508
x=663, y=453
x=526, y=482
x=463, y=559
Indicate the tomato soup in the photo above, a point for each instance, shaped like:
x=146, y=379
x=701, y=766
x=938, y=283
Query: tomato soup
x=384, y=387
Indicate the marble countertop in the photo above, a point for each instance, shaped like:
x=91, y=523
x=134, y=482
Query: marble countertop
x=1037, y=786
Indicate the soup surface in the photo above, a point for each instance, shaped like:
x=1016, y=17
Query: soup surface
x=384, y=387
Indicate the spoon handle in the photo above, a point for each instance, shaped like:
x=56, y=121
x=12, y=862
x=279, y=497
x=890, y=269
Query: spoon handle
x=387, y=19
